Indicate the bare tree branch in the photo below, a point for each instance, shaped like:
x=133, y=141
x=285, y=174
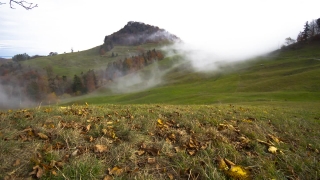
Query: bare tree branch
x=23, y=4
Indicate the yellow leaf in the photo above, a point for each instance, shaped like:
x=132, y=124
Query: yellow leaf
x=272, y=149
x=87, y=104
x=116, y=171
x=274, y=138
x=100, y=148
x=222, y=164
x=237, y=172
x=160, y=123
x=42, y=136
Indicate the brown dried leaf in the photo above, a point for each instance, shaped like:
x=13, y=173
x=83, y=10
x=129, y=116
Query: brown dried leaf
x=37, y=171
x=74, y=153
x=228, y=162
x=153, y=151
x=274, y=138
x=170, y=176
x=141, y=152
x=91, y=139
x=178, y=149
x=263, y=142
x=107, y=177
x=43, y=136
x=88, y=127
x=151, y=160
x=104, y=131
x=191, y=151
x=100, y=148
x=17, y=162
x=116, y=171
x=53, y=172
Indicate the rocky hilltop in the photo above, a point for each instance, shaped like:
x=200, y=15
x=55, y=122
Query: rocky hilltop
x=136, y=33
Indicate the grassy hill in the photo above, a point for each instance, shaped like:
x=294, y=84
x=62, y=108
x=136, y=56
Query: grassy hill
x=257, y=119
x=69, y=64
x=283, y=75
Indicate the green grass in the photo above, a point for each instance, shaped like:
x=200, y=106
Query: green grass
x=69, y=64
x=287, y=75
x=178, y=129
x=160, y=141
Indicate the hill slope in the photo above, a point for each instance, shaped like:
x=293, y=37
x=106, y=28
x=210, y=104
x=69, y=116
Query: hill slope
x=284, y=75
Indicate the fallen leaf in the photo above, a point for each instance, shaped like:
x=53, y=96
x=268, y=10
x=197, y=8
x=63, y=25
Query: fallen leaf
x=272, y=149
x=91, y=139
x=100, y=148
x=107, y=177
x=178, y=149
x=151, y=160
x=274, y=138
x=88, y=127
x=141, y=152
x=222, y=164
x=116, y=171
x=229, y=163
x=104, y=131
x=37, y=171
x=191, y=151
x=263, y=142
x=170, y=176
x=74, y=153
x=17, y=162
x=237, y=172
x=53, y=172
x=160, y=123
x=42, y=136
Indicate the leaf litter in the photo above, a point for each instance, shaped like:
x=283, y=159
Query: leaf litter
x=165, y=141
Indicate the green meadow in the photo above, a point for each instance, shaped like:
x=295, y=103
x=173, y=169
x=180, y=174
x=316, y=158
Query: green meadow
x=254, y=119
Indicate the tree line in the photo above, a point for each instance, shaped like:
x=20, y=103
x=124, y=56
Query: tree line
x=310, y=31
x=43, y=85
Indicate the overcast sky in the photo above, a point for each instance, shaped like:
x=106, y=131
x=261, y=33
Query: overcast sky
x=238, y=27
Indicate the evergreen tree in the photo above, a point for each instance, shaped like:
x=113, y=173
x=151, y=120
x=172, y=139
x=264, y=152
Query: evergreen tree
x=77, y=85
x=306, y=31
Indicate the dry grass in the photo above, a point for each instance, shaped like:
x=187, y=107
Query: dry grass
x=158, y=142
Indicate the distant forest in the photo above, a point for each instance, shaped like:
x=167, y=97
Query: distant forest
x=28, y=84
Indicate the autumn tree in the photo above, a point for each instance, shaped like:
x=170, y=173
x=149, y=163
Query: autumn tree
x=289, y=41
x=91, y=81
